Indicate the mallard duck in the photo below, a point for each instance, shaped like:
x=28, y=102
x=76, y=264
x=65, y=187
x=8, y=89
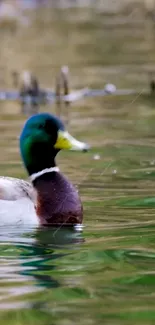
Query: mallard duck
x=49, y=199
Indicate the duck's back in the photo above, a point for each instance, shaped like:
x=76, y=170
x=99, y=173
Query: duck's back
x=58, y=201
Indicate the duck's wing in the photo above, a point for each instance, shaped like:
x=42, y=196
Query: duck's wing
x=13, y=189
x=17, y=202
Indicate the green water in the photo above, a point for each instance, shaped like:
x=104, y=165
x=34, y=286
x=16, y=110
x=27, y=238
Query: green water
x=104, y=274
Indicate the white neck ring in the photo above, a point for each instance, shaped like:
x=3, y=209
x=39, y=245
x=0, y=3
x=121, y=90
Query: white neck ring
x=42, y=172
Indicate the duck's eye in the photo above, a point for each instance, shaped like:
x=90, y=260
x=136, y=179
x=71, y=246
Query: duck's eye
x=41, y=126
x=50, y=127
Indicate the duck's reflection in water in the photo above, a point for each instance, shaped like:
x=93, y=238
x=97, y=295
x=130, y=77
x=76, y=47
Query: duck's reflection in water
x=29, y=257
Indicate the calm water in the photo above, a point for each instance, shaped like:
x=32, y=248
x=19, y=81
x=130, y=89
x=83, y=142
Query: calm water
x=104, y=274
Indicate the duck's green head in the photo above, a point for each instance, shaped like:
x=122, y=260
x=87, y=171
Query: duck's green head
x=42, y=137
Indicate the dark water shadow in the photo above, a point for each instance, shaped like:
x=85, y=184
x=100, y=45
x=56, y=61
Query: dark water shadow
x=34, y=258
x=51, y=244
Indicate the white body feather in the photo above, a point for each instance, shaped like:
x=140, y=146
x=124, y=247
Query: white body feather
x=17, y=199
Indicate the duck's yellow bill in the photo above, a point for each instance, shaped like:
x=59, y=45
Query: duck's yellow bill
x=67, y=142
